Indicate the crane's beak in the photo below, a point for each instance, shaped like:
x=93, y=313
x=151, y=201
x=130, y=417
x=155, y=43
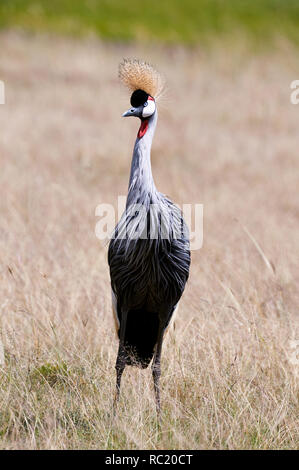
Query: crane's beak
x=132, y=112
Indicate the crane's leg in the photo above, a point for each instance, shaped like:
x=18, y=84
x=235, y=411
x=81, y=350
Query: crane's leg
x=156, y=368
x=121, y=358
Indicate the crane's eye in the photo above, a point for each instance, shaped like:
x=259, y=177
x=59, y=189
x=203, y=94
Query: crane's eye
x=145, y=104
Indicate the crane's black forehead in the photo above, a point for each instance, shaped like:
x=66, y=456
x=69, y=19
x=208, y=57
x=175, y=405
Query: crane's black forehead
x=138, y=98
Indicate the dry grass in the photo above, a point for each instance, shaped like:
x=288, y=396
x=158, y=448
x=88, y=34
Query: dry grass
x=228, y=138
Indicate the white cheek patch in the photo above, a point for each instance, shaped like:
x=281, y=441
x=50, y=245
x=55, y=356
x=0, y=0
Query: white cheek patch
x=149, y=109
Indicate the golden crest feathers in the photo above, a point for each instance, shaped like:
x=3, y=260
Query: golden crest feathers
x=138, y=75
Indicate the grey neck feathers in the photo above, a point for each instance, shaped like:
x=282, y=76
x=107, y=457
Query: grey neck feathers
x=141, y=186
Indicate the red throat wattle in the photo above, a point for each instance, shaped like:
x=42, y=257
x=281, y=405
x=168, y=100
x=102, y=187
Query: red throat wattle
x=143, y=128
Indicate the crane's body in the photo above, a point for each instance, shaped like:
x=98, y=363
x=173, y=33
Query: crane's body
x=148, y=256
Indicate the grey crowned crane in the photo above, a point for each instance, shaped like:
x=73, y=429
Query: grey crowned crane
x=149, y=255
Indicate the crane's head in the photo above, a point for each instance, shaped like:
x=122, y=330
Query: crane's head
x=146, y=84
x=143, y=105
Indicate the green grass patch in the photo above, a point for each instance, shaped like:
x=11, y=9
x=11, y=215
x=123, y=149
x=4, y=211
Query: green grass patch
x=51, y=373
x=175, y=21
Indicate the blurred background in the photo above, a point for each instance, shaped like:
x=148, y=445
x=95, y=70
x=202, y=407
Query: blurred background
x=172, y=22
x=227, y=138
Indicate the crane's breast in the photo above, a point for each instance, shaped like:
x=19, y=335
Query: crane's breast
x=155, y=272
x=149, y=256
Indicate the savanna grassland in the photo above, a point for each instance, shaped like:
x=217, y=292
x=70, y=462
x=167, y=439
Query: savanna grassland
x=228, y=138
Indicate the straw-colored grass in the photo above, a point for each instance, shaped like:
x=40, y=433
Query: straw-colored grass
x=227, y=137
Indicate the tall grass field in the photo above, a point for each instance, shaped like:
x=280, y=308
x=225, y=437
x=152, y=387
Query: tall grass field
x=227, y=138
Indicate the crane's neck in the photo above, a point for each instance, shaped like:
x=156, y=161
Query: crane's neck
x=141, y=178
